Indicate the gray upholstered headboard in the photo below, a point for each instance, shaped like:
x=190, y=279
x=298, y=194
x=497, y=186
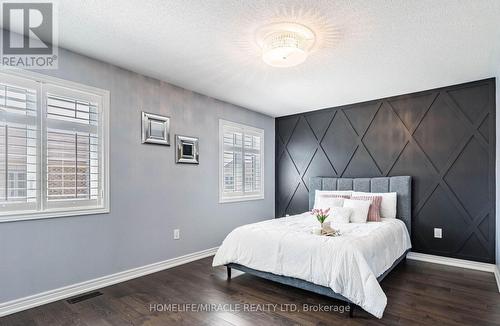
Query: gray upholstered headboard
x=401, y=185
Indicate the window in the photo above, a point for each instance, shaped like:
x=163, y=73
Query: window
x=241, y=162
x=53, y=147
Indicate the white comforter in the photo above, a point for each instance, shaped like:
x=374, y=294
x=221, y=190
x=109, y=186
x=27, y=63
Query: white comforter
x=348, y=264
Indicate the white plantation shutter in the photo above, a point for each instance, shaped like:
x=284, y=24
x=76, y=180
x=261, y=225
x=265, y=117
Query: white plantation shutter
x=241, y=162
x=233, y=161
x=73, y=150
x=18, y=144
x=252, y=162
x=52, y=148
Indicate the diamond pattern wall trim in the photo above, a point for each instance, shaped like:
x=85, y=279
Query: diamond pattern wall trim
x=444, y=138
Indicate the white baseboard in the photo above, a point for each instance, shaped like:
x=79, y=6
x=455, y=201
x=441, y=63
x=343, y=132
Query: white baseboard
x=452, y=262
x=497, y=277
x=485, y=267
x=39, y=299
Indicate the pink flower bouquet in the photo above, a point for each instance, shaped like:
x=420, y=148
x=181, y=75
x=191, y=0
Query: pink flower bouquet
x=321, y=215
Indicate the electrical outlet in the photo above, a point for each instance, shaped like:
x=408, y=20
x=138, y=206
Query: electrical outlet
x=177, y=234
x=438, y=233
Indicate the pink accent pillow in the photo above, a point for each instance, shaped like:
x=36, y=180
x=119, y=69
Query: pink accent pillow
x=374, y=211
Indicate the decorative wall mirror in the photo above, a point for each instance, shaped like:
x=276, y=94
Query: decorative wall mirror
x=186, y=150
x=155, y=129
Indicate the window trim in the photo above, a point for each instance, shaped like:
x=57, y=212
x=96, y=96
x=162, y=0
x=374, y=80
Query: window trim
x=233, y=199
x=104, y=208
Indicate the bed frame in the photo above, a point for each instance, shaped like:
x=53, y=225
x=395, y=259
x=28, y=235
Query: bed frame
x=401, y=185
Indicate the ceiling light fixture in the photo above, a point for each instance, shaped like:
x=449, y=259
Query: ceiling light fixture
x=285, y=44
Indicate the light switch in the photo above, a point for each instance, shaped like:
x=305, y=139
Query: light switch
x=438, y=233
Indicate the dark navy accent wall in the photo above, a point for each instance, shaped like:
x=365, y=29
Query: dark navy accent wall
x=444, y=138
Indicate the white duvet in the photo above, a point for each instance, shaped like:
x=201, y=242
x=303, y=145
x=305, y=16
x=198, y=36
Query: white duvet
x=348, y=264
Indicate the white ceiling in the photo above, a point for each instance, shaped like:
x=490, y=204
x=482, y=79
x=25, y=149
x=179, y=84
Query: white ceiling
x=368, y=49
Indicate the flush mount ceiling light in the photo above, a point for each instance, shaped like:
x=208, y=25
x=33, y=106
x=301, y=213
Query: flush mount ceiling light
x=285, y=44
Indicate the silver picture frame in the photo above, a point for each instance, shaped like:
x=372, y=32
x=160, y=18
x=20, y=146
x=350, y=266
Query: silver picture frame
x=187, y=150
x=155, y=129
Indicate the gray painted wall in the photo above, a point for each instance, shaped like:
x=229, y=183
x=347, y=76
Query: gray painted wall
x=150, y=194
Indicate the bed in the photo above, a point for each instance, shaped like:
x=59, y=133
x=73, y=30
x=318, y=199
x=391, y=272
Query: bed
x=347, y=268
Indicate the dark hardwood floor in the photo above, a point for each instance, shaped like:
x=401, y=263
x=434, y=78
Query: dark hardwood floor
x=417, y=292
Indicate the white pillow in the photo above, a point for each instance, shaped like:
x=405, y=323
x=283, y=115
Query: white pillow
x=333, y=192
x=359, y=209
x=388, y=208
x=325, y=202
x=323, y=198
x=339, y=215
